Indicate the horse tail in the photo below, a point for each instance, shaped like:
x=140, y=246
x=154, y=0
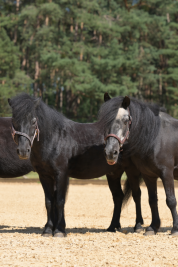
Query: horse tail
x=128, y=192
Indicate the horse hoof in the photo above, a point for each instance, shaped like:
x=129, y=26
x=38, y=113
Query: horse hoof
x=148, y=233
x=138, y=228
x=59, y=234
x=174, y=233
x=47, y=235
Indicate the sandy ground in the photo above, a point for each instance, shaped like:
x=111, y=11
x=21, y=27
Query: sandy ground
x=88, y=214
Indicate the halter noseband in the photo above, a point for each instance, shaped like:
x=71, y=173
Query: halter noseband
x=36, y=134
x=127, y=133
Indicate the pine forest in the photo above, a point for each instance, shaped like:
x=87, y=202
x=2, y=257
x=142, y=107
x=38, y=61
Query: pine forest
x=70, y=52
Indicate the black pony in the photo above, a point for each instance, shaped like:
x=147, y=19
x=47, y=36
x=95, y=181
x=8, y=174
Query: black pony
x=151, y=145
x=67, y=149
x=10, y=164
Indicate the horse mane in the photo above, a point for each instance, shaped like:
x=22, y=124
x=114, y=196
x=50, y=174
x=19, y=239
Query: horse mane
x=144, y=127
x=24, y=104
x=21, y=103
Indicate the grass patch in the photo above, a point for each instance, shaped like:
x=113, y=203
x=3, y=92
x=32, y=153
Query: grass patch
x=30, y=175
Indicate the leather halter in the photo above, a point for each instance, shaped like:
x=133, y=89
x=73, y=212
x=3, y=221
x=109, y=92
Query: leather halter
x=127, y=133
x=36, y=134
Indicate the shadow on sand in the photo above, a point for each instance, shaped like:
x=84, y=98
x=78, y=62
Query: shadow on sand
x=19, y=229
x=39, y=230
x=85, y=230
x=128, y=230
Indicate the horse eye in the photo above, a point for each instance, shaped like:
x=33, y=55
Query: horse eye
x=33, y=120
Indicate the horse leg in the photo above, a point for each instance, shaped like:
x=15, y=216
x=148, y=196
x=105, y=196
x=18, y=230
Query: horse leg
x=153, y=201
x=117, y=194
x=133, y=176
x=62, y=222
x=48, y=187
x=61, y=188
x=168, y=182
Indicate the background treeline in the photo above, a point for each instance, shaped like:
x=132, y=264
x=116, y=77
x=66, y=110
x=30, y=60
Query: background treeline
x=70, y=52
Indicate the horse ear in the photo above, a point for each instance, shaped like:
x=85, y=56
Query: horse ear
x=126, y=102
x=9, y=101
x=106, y=97
x=37, y=101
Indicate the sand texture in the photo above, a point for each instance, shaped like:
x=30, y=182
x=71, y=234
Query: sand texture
x=88, y=213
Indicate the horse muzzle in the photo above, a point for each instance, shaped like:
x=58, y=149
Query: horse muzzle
x=23, y=157
x=111, y=162
x=24, y=153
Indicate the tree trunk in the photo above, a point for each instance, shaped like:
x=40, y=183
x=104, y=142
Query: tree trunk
x=37, y=71
x=61, y=100
x=17, y=10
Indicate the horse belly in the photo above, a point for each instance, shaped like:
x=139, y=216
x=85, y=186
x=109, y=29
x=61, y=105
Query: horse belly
x=176, y=173
x=89, y=169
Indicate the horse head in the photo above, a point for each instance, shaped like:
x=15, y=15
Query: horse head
x=118, y=132
x=24, y=127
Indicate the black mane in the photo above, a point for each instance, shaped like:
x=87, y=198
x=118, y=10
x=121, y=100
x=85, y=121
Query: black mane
x=144, y=127
x=21, y=103
x=25, y=104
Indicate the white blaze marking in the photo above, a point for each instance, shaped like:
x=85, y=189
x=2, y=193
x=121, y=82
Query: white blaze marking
x=119, y=134
x=121, y=113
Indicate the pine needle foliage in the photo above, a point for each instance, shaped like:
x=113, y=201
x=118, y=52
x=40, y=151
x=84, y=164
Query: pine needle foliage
x=69, y=52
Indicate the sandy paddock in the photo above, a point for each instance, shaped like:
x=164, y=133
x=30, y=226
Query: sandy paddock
x=88, y=214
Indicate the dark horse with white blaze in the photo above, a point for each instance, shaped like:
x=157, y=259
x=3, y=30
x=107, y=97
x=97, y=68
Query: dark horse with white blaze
x=10, y=164
x=152, y=146
x=67, y=149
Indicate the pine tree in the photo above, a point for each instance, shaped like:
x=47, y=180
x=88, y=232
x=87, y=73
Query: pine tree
x=71, y=52
x=12, y=79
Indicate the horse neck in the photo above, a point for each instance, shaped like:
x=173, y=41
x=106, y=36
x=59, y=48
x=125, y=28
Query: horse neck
x=48, y=120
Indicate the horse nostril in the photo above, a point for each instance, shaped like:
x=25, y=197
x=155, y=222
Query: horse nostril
x=28, y=150
x=18, y=152
x=115, y=152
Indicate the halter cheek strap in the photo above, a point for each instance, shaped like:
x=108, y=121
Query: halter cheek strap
x=36, y=134
x=126, y=135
